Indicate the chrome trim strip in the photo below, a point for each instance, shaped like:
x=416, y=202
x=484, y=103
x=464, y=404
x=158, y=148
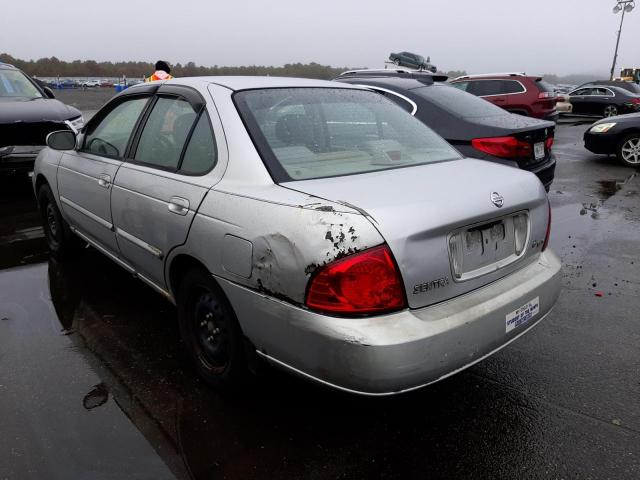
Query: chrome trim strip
x=408, y=100
x=155, y=286
x=87, y=213
x=387, y=394
x=103, y=250
x=156, y=252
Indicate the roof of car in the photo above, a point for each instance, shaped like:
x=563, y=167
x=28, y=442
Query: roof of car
x=7, y=65
x=248, y=82
x=397, y=82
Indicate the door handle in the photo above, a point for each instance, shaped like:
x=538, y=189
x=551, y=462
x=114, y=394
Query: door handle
x=179, y=205
x=104, y=180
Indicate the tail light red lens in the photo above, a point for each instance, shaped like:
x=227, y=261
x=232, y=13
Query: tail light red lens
x=546, y=237
x=549, y=142
x=364, y=283
x=504, y=147
x=635, y=100
x=546, y=95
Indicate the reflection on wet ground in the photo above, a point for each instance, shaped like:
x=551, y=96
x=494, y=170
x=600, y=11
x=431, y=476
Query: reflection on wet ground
x=95, y=383
x=21, y=237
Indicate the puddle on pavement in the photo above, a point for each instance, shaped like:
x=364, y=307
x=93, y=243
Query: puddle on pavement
x=608, y=188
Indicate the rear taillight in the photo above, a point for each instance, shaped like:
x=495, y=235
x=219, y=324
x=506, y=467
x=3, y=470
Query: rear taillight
x=505, y=147
x=364, y=283
x=546, y=237
x=546, y=95
x=549, y=142
x=635, y=100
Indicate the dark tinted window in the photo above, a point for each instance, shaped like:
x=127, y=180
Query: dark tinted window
x=511, y=86
x=165, y=133
x=582, y=91
x=485, y=87
x=457, y=102
x=201, y=154
x=110, y=136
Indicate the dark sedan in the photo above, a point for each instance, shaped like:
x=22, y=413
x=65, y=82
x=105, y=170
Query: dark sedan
x=28, y=113
x=603, y=101
x=618, y=136
x=477, y=128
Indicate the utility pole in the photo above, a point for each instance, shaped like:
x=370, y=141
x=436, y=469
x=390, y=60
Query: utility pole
x=624, y=6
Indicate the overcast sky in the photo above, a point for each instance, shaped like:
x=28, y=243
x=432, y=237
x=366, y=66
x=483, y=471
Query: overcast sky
x=540, y=36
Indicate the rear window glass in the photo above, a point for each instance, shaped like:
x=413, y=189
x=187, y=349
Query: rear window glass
x=307, y=133
x=544, y=86
x=457, y=102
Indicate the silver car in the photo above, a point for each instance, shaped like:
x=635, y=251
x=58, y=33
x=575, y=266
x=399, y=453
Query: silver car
x=314, y=224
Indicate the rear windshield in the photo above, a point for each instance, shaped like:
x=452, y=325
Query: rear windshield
x=544, y=86
x=459, y=103
x=13, y=83
x=308, y=133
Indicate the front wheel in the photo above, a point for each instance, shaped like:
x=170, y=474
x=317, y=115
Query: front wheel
x=628, y=150
x=59, y=237
x=210, y=331
x=610, y=111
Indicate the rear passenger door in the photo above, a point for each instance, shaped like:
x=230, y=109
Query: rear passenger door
x=158, y=189
x=580, y=100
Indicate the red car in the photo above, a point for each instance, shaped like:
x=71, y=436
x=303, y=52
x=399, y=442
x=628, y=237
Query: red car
x=515, y=92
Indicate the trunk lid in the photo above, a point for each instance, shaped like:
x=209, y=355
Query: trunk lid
x=423, y=211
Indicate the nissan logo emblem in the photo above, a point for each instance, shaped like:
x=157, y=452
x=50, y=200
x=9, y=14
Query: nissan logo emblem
x=497, y=199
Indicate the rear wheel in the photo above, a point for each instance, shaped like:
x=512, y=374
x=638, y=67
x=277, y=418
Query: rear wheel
x=210, y=331
x=628, y=151
x=59, y=237
x=610, y=111
x=397, y=62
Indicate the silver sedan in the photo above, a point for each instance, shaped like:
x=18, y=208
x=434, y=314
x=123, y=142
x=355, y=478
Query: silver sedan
x=314, y=224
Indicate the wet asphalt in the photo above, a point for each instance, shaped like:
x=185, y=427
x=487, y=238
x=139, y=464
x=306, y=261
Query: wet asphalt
x=93, y=382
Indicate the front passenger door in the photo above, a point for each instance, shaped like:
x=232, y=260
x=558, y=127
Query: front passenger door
x=85, y=176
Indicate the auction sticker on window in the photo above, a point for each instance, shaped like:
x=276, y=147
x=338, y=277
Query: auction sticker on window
x=523, y=314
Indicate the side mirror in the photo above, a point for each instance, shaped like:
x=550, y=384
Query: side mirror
x=48, y=92
x=61, y=140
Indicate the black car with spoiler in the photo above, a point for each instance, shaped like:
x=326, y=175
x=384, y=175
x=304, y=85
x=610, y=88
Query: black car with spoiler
x=28, y=113
x=477, y=128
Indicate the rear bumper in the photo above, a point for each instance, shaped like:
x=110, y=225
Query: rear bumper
x=398, y=352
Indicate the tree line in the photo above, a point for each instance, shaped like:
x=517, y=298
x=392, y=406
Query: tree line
x=53, y=67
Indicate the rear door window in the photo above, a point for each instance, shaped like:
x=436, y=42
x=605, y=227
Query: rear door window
x=201, y=154
x=165, y=133
x=483, y=88
x=511, y=86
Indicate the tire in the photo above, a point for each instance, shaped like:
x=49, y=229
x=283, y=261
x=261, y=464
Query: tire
x=610, y=111
x=210, y=331
x=60, y=239
x=628, y=150
x=397, y=62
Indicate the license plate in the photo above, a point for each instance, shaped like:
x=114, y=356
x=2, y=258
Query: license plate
x=538, y=150
x=523, y=314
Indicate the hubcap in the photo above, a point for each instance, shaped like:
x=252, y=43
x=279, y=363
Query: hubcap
x=210, y=333
x=610, y=111
x=631, y=151
x=51, y=220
